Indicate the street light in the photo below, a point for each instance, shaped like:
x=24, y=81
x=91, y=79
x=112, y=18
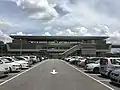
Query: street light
x=20, y=46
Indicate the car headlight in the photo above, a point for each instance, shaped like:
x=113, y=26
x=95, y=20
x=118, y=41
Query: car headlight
x=6, y=68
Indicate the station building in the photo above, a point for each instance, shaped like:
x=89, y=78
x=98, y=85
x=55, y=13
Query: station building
x=58, y=46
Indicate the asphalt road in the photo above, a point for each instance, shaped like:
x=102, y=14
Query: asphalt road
x=40, y=78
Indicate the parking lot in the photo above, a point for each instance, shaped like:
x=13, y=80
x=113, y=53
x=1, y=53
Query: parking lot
x=40, y=76
x=97, y=77
x=15, y=73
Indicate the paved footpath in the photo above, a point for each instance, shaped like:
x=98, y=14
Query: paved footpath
x=40, y=78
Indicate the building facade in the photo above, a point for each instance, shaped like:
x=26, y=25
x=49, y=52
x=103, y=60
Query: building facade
x=59, y=46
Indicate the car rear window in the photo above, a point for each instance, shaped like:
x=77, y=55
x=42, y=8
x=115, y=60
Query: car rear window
x=103, y=61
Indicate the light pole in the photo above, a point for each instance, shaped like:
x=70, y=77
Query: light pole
x=20, y=46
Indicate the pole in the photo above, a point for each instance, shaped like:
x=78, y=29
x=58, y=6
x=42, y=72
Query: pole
x=20, y=46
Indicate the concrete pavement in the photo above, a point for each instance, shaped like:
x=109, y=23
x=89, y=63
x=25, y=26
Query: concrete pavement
x=40, y=78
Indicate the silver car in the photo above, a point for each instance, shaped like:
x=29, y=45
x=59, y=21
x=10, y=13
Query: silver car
x=3, y=68
x=107, y=65
x=115, y=76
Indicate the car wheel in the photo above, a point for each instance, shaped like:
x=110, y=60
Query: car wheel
x=96, y=70
x=109, y=73
x=10, y=70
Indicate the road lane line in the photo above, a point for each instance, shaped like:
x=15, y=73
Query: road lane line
x=89, y=76
x=22, y=73
x=93, y=74
x=104, y=80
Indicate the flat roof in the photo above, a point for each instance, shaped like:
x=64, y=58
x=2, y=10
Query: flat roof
x=59, y=38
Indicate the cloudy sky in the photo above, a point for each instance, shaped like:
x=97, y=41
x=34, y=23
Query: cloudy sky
x=60, y=17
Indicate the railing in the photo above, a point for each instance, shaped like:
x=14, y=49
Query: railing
x=71, y=50
x=35, y=50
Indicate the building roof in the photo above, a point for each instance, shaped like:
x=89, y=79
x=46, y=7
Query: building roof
x=59, y=38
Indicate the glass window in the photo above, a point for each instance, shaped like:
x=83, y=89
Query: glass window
x=19, y=58
x=7, y=61
x=1, y=62
x=113, y=61
x=103, y=61
x=97, y=62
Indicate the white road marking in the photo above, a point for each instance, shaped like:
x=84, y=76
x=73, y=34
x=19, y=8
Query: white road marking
x=84, y=70
x=90, y=76
x=53, y=72
x=93, y=74
x=105, y=80
x=22, y=73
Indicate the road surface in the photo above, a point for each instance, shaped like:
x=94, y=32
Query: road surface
x=40, y=78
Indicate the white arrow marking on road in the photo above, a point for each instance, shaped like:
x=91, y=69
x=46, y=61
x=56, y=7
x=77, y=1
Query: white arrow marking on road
x=54, y=72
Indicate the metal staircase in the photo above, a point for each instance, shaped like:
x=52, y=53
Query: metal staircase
x=71, y=50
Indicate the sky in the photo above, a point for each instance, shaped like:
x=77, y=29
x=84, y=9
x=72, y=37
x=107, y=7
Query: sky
x=61, y=18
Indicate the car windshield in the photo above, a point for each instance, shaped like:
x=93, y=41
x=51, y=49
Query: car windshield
x=92, y=60
x=7, y=61
x=10, y=59
x=19, y=58
x=97, y=62
x=32, y=57
x=26, y=57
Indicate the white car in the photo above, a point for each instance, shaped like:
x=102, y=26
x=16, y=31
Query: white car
x=115, y=76
x=67, y=59
x=13, y=66
x=81, y=62
x=72, y=60
x=108, y=64
x=93, y=67
x=24, y=64
x=34, y=59
x=3, y=68
x=28, y=59
x=24, y=59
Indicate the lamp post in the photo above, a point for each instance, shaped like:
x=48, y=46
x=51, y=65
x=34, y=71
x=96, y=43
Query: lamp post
x=20, y=46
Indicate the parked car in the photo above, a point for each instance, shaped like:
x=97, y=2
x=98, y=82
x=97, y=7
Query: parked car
x=93, y=67
x=81, y=61
x=28, y=59
x=34, y=59
x=115, y=76
x=107, y=65
x=24, y=64
x=3, y=68
x=72, y=60
x=67, y=59
x=13, y=66
x=30, y=62
x=91, y=60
